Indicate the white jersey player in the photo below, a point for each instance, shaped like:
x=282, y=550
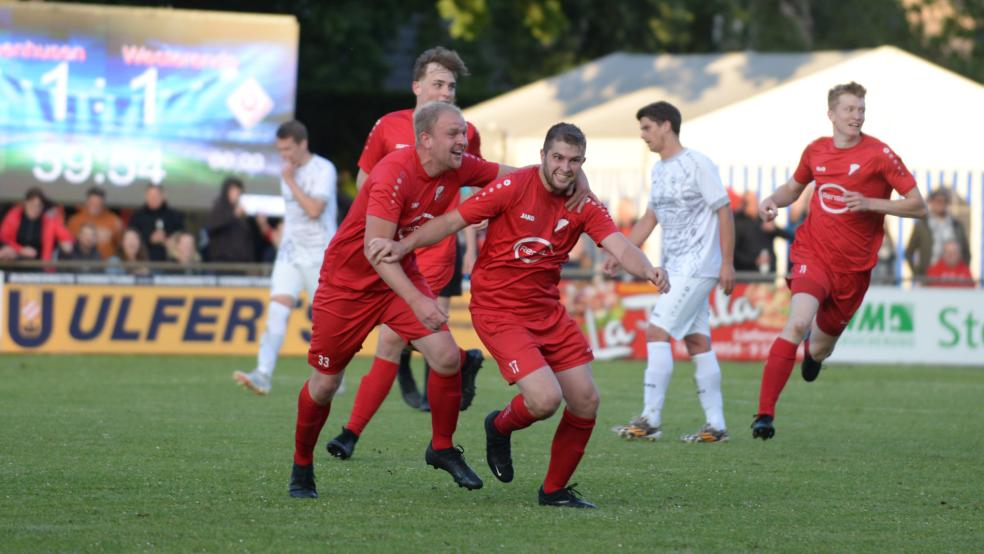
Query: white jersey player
x=308, y=185
x=693, y=207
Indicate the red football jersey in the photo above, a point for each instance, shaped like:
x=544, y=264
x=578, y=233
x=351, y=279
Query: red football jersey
x=843, y=240
x=397, y=190
x=394, y=131
x=529, y=237
x=941, y=275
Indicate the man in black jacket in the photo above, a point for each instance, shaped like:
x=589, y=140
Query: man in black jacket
x=156, y=222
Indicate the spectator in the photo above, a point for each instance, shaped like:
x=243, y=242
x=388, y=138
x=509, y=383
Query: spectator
x=925, y=246
x=32, y=229
x=157, y=223
x=230, y=235
x=950, y=270
x=754, y=250
x=86, y=248
x=272, y=231
x=131, y=251
x=184, y=253
x=884, y=271
x=108, y=226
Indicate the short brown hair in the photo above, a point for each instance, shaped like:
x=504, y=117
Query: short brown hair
x=426, y=116
x=448, y=59
x=836, y=92
x=661, y=112
x=293, y=130
x=565, y=132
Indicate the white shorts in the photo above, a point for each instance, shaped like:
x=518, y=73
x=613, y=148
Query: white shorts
x=684, y=310
x=289, y=279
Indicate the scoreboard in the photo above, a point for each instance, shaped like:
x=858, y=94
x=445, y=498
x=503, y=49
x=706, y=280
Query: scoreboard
x=121, y=97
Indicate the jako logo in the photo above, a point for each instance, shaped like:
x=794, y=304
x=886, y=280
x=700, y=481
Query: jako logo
x=28, y=324
x=879, y=318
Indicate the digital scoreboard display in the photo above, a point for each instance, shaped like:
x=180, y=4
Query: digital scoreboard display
x=121, y=97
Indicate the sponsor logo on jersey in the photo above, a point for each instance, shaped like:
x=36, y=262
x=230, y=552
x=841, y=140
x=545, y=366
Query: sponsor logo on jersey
x=820, y=169
x=531, y=249
x=398, y=146
x=831, y=197
x=527, y=217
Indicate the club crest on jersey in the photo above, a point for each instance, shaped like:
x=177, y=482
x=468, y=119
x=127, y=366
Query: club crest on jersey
x=531, y=249
x=854, y=167
x=438, y=193
x=831, y=196
x=561, y=223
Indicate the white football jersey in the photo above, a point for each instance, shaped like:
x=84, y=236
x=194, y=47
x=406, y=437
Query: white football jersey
x=686, y=193
x=305, y=239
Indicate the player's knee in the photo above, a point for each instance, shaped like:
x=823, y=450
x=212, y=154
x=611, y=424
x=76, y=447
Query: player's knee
x=446, y=361
x=697, y=344
x=798, y=329
x=821, y=352
x=277, y=316
x=585, y=404
x=543, y=404
x=654, y=333
x=322, y=387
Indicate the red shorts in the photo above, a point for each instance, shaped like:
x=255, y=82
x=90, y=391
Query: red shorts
x=438, y=276
x=342, y=319
x=522, y=345
x=840, y=293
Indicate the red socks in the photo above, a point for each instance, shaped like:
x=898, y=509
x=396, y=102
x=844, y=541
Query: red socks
x=444, y=395
x=311, y=418
x=568, y=447
x=373, y=389
x=778, y=366
x=513, y=417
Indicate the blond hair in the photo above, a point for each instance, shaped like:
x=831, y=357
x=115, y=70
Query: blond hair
x=850, y=88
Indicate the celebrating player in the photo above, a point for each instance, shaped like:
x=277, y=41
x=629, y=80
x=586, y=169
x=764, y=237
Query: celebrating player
x=516, y=307
x=837, y=246
x=308, y=185
x=693, y=207
x=435, y=75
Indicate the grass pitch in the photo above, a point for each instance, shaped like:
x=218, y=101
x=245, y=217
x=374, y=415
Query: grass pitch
x=128, y=453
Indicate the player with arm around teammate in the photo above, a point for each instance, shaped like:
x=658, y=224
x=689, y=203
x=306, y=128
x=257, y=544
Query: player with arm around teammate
x=837, y=245
x=516, y=308
x=689, y=201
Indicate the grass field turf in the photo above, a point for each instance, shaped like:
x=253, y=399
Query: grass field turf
x=129, y=453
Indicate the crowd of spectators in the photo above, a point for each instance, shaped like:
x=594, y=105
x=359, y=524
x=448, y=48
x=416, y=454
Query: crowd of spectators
x=96, y=238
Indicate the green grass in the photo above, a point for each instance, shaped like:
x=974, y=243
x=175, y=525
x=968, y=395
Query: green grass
x=127, y=453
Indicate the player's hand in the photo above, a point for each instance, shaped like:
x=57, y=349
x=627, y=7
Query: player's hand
x=727, y=278
x=579, y=196
x=429, y=312
x=857, y=202
x=288, y=171
x=660, y=278
x=386, y=251
x=768, y=209
x=610, y=266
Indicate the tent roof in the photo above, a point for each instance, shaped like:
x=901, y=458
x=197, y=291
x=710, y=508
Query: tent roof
x=602, y=96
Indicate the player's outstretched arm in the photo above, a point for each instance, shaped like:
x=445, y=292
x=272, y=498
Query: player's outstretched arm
x=911, y=205
x=783, y=196
x=634, y=261
x=384, y=250
x=637, y=236
x=425, y=308
x=726, y=226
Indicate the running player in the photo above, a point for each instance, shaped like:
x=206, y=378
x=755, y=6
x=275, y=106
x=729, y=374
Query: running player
x=837, y=246
x=693, y=207
x=435, y=74
x=308, y=185
x=516, y=307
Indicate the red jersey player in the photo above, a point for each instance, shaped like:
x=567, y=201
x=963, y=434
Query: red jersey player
x=435, y=74
x=837, y=246
x=516, y=307
x=405, y=189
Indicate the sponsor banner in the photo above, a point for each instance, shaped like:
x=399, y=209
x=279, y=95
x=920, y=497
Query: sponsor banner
x=922, y=326
x=614, y=314
x=163, y=319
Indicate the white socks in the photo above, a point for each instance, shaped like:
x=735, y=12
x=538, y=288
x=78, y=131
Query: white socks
x=707, y=376
x=659, y=369
x=273, y=337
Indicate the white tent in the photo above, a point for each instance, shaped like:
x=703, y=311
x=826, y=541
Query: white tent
x=753, y=114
